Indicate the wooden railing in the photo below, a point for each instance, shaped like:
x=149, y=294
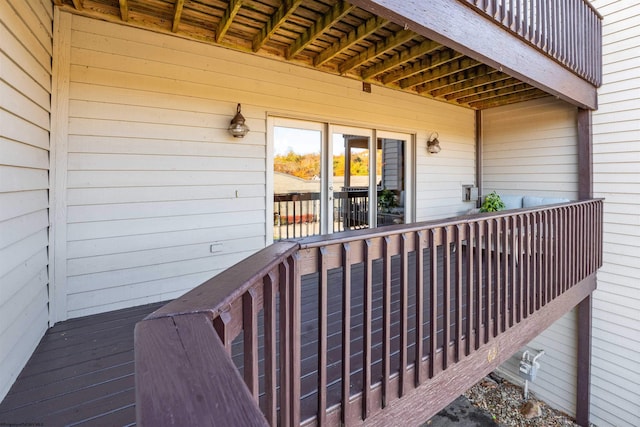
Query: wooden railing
x=569, y=31
x=364, y=326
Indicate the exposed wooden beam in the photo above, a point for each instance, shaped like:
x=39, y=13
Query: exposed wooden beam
x=442, y=71
x=483, y=76
x=277, y=19
x=326, y=21
x=464, y=96
x=424, y=48
x=177, y=14
x=227, y=19
x=528, y=95
x=364, y=30
x=435, y=60
x=124, y=10
x=77, y=4
x=585, y=154
x=453, y=24
x=57, y=2
x=379, y=48
x=447, y=81
x=492, y=94
x=583, y=383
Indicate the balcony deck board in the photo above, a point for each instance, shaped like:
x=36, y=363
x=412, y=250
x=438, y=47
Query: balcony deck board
x=82, y=372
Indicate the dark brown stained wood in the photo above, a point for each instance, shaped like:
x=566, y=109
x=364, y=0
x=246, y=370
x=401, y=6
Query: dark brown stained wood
x=323, y=312
x=585, y=154
x=419, y=301
x=480, y=39
x=250, y=322
x=412, y=410
x=583, y=387
x=433, y=298
x=366, y=335
x=296, y=307
x=270, y=348
x=207, y=382
x=285, y=344
x=386, y=328
x=90, y=379
x=346, y=332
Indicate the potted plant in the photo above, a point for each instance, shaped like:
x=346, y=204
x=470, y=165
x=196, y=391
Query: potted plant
x=387, y=200
x=492, y=203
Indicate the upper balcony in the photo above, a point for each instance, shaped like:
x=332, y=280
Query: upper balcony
x=474, y=53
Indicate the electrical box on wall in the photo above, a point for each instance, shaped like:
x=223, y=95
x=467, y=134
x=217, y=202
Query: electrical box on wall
x=469, y=193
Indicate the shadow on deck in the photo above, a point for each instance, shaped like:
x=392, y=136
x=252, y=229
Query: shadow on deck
x=82, y=373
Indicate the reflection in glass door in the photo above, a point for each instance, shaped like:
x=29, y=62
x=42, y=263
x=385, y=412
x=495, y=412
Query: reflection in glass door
x=345, y=182
x=297, y=172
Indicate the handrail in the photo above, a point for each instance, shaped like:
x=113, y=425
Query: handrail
x=570, y=31
x=509, y=275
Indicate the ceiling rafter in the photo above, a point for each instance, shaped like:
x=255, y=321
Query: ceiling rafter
x=285, y=10
x=77, y=4
x=482, y=89
x=442, y=71
x=326, y=21
x=57, y=2
x=124, y=10
x=177, y=14
x=378, y=49
x=516, y=88
x=426, y=89
x=435, y=60
x=424, y=48
x=481, y=78
x=529, y=95
x=364, y=30
x=227, y=18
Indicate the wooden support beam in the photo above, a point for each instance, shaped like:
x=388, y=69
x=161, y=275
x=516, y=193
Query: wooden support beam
x=585, y=155
x=479, y=159
x=77, y=4
x=490, y=82
x=57, y=2
x=277, y=19
x=364, y=30
x=458, y=26
x=528, y=95
x=442, y=71
x=514, y=88
x=425, y=48
x=457, y=78
x=177, y=14
x=326, y=21
x=227, y=19
x=378, y=49
x=583, y=386
x=428, y=63
x=124, y=10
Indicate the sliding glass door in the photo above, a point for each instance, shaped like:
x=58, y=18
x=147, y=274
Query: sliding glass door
x=328, y=178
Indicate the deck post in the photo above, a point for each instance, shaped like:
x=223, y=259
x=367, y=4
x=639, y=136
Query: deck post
x=479, y=156
x=585, y=191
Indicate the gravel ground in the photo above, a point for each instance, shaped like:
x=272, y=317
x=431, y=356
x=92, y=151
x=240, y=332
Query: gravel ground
x=505, y=403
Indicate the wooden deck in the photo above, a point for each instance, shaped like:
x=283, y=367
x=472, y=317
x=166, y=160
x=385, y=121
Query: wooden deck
x=82, y=373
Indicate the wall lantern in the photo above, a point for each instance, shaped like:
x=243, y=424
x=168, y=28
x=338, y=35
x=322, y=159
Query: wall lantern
x=237, y=128
x=433, y=145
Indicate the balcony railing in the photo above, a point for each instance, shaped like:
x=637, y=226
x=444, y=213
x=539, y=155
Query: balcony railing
x=570, y=31
x=364, y=326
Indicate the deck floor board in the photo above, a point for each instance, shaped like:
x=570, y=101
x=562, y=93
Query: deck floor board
x=82, y=373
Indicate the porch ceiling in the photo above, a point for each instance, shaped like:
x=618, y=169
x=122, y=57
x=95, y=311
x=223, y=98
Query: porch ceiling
x=329, y=35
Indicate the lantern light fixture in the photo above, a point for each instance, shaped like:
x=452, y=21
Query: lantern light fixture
x=237, y=127
x=433, y=145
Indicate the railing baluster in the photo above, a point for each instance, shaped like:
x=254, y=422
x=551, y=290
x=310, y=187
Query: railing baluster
x=250, y=323
x=404, y=310
x=513, y=266
x=446, y=296
x=458, y=281
x=471, y=295
x=285, y=345
x=322, y=335
x=433, y=300
x=346, y=332
x=419, y=305
x=520, y=278
x=479, y=268
x=366, y=338
x=270, y=348
x=386, y=321
x=547, y=257
x=504, y=274
x=497, y=278
x=296, y=322
x=221, y=324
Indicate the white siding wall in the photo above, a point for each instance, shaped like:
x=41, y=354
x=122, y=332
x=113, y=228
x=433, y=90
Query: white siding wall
x=531, y=148
x=25, y=86
x=154, y=178
x=616, y=316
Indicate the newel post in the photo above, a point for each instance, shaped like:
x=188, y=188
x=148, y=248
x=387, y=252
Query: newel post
x=585, y=191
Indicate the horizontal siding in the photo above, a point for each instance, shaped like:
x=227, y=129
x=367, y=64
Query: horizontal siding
x=154, y=178
x=25, y=87
x=616, y=317
x=530, y=149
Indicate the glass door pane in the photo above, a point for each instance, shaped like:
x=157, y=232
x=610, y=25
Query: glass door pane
x=297, y=172
x=392, y=191
x=351, y=180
